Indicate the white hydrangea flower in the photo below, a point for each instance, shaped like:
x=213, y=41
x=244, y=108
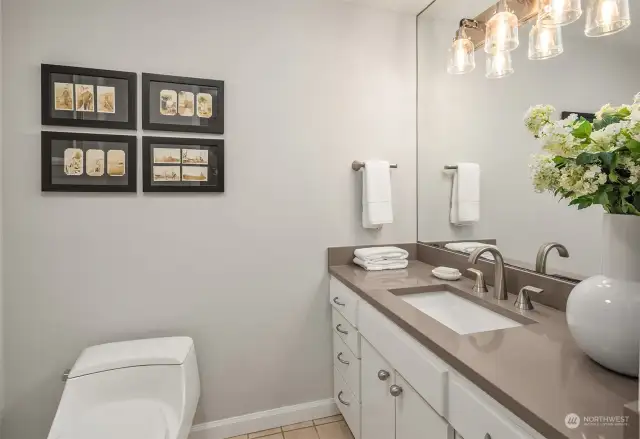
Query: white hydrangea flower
x=544, y=173
x=636, y=99
x=537, y=117
x=605, y=110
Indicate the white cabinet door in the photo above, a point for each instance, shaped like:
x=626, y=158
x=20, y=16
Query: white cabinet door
x=378, y=406
x=415, y=419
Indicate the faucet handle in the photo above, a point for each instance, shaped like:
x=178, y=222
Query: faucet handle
x=523, y=302
x=480, y=286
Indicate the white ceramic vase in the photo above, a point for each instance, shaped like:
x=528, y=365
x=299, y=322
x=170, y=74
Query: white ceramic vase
x=603, y=312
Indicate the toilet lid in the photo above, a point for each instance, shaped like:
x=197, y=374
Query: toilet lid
x=122, y=420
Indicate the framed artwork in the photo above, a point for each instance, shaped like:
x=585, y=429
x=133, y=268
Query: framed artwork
x=182, y=165
x=75, y=96
x=589, y=116
x=173, y=103
x=78, y=162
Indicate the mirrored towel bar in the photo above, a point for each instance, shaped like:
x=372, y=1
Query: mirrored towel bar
x=356, y=165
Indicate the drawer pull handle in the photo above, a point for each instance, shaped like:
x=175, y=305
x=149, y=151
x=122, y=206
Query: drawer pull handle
x=341, y=401
x=335, y=300
x=395, y=390
x=383, y=375
x=341, y=360
x=341, y=331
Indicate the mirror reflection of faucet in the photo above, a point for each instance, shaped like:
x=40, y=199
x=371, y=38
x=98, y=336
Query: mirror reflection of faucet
x=543, y=254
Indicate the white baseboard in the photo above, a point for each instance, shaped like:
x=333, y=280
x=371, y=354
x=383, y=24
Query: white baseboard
x=252, y=422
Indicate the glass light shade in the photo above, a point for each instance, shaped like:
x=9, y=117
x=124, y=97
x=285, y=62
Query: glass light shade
x=607, y=17
x=545, y=42
x=499, y=65
x=502, y=32
x=461, y=56
x=554, y=13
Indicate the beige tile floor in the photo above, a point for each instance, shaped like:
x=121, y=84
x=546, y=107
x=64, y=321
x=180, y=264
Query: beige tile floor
x=332, y=427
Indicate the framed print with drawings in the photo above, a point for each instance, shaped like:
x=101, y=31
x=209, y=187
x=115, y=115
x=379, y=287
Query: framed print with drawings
x=174, y=103
x=182, y=165
x=75, y=96
x=77, y=162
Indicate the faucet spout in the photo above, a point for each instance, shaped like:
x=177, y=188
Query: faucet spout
x=500, y=283
x=543, y=254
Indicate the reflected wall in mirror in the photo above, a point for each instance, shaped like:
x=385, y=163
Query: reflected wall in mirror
x=469, y=118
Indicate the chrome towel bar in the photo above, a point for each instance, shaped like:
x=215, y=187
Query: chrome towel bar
x=356, y=165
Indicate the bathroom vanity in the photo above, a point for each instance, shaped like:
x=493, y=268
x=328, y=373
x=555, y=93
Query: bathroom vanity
x=415, y=355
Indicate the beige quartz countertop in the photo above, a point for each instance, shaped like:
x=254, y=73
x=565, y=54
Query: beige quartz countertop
x=536, y=371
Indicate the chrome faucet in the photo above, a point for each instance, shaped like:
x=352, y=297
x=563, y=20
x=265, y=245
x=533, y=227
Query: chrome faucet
x=543, y=253
x=500, y=283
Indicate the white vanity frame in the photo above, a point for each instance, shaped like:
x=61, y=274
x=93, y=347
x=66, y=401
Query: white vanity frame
x=387, y=385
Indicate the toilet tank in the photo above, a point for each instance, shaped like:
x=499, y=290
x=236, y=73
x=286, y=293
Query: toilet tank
x=162, y=370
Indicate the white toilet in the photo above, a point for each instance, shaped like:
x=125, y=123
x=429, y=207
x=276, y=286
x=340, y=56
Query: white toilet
x=143, y=389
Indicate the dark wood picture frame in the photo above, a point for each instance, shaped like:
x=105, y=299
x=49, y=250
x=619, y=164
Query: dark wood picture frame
x=47, y=103
x=47, y=137
x=217, y=145
x=215, y=127
x=589, y=116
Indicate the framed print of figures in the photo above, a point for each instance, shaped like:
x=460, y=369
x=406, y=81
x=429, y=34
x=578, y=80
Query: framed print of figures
x=182, y=165
x=74, y=96
x=173, y=103
x=77, y=162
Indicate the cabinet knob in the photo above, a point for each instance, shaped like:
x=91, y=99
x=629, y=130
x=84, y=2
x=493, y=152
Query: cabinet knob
x=397, y=391
x=383, y=375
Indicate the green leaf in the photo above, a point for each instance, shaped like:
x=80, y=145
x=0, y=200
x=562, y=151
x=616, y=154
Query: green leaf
x=601, y=197
x=636, y=203
x=609, y=159
x=583, y=130
x=586, y=158
x=605, y=121
x=634, y=146
x=623, y=112
x=558, y=160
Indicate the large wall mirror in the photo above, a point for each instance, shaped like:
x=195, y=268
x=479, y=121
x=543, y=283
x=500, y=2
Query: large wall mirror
x=469, y=118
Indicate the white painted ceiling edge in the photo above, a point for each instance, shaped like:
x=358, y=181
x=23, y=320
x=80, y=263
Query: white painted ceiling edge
x=405, y=6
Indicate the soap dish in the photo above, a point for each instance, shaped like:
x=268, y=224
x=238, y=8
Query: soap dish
x=446, y=273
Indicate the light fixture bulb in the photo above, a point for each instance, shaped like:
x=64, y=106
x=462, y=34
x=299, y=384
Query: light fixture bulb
x=554, y=13
x=501, y=30
x=545, y=42
x=607, y=17
x=461, y=54
x=499, y=65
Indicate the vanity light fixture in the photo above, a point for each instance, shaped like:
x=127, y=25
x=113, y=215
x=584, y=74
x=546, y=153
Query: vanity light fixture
x=554, y=13
x=462, y=51
x=499, y=65
x=545, y=42
x=502, y=30
x=607, y=17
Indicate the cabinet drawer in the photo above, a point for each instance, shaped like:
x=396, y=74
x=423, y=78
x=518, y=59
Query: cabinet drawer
x=347, y=364
x=474, y=414
x=426, y=373
x=346, y=332
x=347, y=403
x=344, y=300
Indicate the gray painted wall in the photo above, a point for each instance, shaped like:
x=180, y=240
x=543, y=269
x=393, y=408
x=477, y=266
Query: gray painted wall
x=310, y=86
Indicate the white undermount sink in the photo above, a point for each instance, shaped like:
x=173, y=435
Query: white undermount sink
x=457, y=313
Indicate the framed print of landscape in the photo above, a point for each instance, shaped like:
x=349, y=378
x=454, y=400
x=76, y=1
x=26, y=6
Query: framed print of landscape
x=80, y=97
x=182, y=165
x=77, y=162
x=174, y=103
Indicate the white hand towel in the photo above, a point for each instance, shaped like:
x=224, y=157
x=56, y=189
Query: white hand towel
x=371, y=254
x=465, y=195
x=376, y=194
x=468, y=247
x=379, y=266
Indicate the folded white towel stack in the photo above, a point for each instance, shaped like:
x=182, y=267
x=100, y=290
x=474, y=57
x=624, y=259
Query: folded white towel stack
x=465, y=195
x=468, y=247
x=381, y=258
x=376, y=194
